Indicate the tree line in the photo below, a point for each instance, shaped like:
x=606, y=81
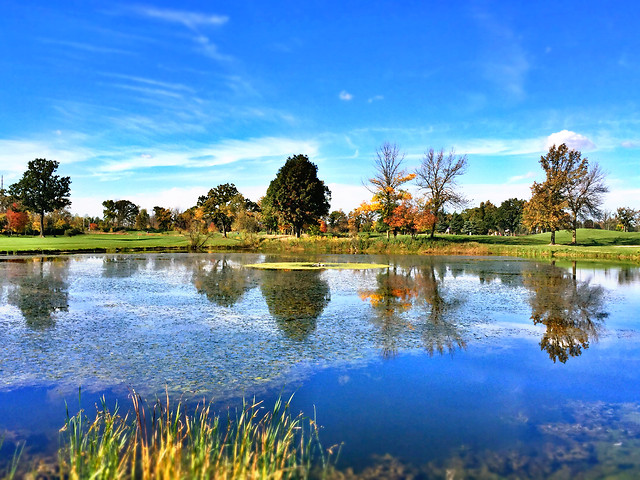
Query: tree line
x=297, y=201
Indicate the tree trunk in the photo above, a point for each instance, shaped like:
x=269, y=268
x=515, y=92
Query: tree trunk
x=553, y=237
x=574, y=224
x=388, y=234
x=42, y=225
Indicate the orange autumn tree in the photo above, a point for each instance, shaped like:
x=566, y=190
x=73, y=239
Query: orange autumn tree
x=385, y=184
x=411, y=217
x=17, y=219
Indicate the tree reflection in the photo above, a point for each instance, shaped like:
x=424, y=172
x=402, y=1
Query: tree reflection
x=400, y=290
x=439, y=334
x=394, y=294
x=221, y=282
x=40, y=290
x=120, y=266
x=571, y=311
x=295, y=299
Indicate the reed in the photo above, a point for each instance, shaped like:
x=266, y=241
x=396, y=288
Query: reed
x=160, y=442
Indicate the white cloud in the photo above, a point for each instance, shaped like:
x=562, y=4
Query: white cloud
x=622, y=197
x=524, y=146
x=630, y=144
x=375, y=98
x=347, y=197
x=518, y=178
x=222, y=153
x=191, y=20
x=496, y=193
x=572, y=139
x=346, y=96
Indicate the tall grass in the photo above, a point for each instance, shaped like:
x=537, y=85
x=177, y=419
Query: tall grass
x=12, y=468
x=160, y=442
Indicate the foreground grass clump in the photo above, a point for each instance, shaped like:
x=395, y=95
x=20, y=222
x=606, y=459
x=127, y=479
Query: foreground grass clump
x=161, y=443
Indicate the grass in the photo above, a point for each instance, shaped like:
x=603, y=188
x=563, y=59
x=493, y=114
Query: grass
x=594, y=244
x=108, y=242
x=161, y=442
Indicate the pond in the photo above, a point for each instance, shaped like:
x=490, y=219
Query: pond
x=440, y=367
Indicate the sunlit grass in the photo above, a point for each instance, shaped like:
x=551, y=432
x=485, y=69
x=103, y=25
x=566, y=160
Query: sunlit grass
x=160, y=442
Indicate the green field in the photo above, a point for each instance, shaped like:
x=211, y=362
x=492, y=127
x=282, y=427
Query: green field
x=107, y=242
x=598, y=244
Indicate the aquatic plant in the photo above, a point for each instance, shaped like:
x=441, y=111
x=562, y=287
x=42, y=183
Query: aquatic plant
x=159, y=442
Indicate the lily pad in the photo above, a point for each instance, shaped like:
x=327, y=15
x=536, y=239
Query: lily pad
x=315, y=266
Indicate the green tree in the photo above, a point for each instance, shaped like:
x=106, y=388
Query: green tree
x=142, y=220
x=296, y=195
x=437, y=176
x=509, y=215
x=163, y=218
x=120, y=213
x=627, y=218
x=386, y=182
x=222, y=205
x=338, y=222
x=564, y=168
x=40, y=190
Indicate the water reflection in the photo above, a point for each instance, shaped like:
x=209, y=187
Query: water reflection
x=295, y=299
x=439, y=334
x=571, y=310
x=121, y=266
x=39, y=289
x=221, y=280
x=402, y=289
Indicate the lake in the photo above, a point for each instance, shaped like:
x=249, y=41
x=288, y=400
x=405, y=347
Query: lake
x=440, y=367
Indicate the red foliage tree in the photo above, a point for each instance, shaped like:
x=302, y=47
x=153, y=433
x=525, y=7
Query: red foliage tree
x=16, y=219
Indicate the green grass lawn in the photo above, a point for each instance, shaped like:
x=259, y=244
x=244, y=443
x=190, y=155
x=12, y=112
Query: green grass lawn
x=599, y=244
x=108, y=242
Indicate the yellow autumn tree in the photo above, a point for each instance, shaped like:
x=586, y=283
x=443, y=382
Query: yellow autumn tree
x=385, y=184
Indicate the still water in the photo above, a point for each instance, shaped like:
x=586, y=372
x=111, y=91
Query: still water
x=431, y=367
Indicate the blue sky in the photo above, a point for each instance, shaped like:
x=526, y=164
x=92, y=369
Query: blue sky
x=157, y=102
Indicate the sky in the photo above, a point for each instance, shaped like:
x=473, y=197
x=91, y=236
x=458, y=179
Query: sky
x=159, y=101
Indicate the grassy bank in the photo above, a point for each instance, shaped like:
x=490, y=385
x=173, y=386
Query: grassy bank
x=592, y=244
x=165, y=442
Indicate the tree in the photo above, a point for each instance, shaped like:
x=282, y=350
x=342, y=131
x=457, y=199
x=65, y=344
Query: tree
x=564, y=168
x=120, y=213
x=142, y=220
x=509, y=215
x=626, y=218
x=17, y=219
x=222, y=205
x=338, y=222
x=387, y=180
x=437, y=175
x=584, y=196
x=163, y=218
x=40, y=190
x=296, y=195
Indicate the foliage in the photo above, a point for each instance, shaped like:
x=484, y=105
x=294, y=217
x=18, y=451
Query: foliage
x=437, y=177
x=410, y=217
x=626, y=218
x=17, y=219
x=142, y=220
x=546, y=210
x=480, y=220
x=163, y=218
x=120, y=213
x=338, y=222
x=296, y=195
x=509, y=215
x=387, y=180
x=223, y=204
x=40, y=190
x=584, y=196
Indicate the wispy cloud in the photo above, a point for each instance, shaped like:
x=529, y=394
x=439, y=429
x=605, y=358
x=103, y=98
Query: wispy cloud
x=630, y=144
x=191, y=20
x=519, y=178
x=375, y=98
x=506, y=64
x=222, y=153
x=345, y=96
x=87, y=47
x=571, y=139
